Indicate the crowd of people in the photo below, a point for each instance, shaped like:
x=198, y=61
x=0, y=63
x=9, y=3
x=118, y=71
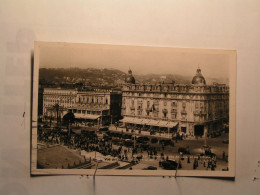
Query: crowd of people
x=90, y=141
x=116, y=146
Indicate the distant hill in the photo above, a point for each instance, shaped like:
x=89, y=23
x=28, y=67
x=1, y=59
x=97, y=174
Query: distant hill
x=89, y=76
x=168, y=78
x=106, y=77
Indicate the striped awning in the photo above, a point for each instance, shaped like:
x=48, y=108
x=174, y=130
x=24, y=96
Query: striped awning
x=146, y=121
x=163, y=124
x=153, y=123
x=138, y=121
x=172, y=124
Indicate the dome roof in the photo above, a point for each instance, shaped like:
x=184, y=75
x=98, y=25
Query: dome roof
x=198, y=79
x=129, y=78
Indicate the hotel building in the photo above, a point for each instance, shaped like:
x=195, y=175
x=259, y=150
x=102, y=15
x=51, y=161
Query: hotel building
x=196, y=109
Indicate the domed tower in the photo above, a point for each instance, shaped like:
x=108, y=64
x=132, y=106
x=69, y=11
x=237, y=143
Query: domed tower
x=129, y=78
x=198, y=79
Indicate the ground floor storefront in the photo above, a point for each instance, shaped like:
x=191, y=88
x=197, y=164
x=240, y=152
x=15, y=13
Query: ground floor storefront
x=183, y=128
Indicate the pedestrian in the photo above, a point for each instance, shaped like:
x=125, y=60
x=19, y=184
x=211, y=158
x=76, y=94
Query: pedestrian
x=223, y=155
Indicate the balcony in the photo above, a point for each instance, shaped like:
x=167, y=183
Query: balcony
x=174, y=111
x=183, y=112
x=165, y=111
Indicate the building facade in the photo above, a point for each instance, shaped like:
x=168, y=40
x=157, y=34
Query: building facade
x=64, y=98
x=97, y=106
x=196, y=109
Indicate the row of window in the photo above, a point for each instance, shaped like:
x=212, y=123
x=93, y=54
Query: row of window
x=59, y=101
x=105, y=112
x=92, y=100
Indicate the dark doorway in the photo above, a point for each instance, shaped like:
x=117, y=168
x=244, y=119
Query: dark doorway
x=199, y=130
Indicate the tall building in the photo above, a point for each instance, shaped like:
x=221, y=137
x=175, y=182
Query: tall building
x=52, y=97
x=196, y=109
x=103, y=105
x=97, y=105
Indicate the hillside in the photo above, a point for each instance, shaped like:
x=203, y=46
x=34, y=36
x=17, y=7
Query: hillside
x=105, y=77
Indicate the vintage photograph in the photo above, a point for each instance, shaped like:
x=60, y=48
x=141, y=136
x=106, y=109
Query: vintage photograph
x=133, y=110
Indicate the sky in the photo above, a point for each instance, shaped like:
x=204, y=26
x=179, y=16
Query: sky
x=140, y=59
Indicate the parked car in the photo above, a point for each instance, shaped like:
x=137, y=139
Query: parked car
x=166, y=142
x=170, y=165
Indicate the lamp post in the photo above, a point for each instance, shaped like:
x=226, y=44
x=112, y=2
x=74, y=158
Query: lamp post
x=96, y=134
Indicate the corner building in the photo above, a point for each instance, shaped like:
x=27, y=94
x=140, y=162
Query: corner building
x=196, y=109
x=88, y=106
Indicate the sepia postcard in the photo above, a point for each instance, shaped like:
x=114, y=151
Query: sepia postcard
x=133, y=110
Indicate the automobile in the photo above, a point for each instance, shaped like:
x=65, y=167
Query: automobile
x=225, y=141
x=183, y=150
x=150, y=168
x=166, y=142
x=170, y=165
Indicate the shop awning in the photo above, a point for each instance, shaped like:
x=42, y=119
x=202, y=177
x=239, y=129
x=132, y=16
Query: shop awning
x=153, y=123
x=86, y=116
x=172, y=124
x=138, y=121
x=163, y=124
x=145, y=121
x=127, y=120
